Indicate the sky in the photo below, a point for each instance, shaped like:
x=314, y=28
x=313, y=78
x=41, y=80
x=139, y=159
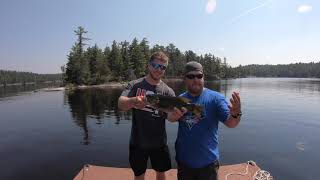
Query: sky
x=37, y=35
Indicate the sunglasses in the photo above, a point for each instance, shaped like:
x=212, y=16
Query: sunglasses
x=158, y=66
x=192, y=76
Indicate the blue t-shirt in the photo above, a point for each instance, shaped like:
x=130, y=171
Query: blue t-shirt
x=197, y=141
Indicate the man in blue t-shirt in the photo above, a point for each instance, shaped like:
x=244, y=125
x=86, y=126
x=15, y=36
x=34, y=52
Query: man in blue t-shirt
x=197, y=152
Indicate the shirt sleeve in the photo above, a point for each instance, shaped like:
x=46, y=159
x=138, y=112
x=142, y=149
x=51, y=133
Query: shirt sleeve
x=171, y=92
x=127, y=89
x=222, y=108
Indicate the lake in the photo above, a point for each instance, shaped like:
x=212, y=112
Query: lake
x=51, y=135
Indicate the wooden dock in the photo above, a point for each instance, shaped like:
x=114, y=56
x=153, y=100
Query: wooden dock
x=244, y=171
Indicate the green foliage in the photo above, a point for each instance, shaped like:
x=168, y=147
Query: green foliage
x=15, y=77
x=301, y=70
x=98, y=68
x=77, y=70
x=125, y=61
x=137, y=58
x=116, y=63
x=176, y=61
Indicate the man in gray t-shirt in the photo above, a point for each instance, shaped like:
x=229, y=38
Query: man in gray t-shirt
x=148, y=124
x=148, y=133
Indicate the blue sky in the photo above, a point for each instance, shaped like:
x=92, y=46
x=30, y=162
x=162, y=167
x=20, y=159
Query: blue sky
x=36, y=35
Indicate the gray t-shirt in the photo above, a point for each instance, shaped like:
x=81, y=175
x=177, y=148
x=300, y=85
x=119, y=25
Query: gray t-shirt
x=148, y=124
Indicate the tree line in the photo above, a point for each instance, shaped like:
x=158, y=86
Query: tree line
x=125, y=60
x=15, y=77
x=300, y=70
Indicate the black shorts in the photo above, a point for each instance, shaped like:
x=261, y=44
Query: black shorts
x=159, y=157
x=209, y=172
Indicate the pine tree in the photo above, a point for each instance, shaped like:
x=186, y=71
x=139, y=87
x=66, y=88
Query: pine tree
x=73, y=69
x=77, y=70
x=106, y=71
x=144, y=44
x=127, y=64
x=190, y=56
x=137, y=58
x=176, y=61
x=115, y=60
x=95, y=57
x=158, y=48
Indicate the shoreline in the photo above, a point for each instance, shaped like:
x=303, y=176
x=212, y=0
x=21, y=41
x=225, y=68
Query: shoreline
x=115, y=85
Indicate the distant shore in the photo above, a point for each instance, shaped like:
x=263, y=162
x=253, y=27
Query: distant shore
x=104, y=85
x=71, y=86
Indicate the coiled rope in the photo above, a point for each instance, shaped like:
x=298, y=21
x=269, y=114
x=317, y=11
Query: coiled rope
x=258, y=175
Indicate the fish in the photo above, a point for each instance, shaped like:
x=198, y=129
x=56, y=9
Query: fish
x=168, y=103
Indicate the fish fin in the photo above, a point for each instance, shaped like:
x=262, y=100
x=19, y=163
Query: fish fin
x=197, y=110
x=185, y=100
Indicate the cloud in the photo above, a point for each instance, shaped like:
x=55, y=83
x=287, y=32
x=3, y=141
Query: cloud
x=211, y=6
x=245, y=13
x=304, y=8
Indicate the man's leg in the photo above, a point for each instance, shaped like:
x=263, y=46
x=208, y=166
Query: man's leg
x=185, y=173
x=141, y=177
x=209, y=173
x=160, y=161
x=138, y=159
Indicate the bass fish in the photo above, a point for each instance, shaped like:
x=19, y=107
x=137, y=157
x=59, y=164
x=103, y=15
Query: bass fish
x=168, y=103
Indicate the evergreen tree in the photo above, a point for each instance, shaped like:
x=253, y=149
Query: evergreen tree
x=144, y=44
x=95, y=58
x=176, y=61
x=137, y=58
x=127, y=64
x=77, y=70
x=105, y=72
x=115, y=60
x=190, y=56
x=157, y=47
x=73, y=69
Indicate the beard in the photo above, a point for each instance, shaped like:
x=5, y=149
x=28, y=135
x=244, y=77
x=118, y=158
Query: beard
x=195, y=88
x=155, y=78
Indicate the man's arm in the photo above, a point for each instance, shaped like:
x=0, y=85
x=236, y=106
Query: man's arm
x=235, y=111
x=175, y=115
x=126, y=103
x=232, y=122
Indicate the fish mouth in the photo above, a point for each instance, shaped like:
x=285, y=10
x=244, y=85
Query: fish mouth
x=152, y=99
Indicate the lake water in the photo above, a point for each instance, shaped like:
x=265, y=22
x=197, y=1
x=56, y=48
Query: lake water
x=51, y=135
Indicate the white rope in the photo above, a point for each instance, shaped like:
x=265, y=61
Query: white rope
x=259, y=175
x=262, y=175
x=240, y=174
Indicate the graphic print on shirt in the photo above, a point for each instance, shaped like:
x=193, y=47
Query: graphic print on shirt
x=190, y=119
x=143, y=92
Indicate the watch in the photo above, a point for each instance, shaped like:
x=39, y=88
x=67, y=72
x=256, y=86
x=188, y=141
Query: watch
x=236, y=116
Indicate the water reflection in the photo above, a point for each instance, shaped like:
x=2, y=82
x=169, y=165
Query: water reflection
x=280, y=128
x=14, y=90
x=94, y=104
x=100, y=104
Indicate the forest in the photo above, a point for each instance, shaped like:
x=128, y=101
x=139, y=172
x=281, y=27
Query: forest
x=124, y=61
